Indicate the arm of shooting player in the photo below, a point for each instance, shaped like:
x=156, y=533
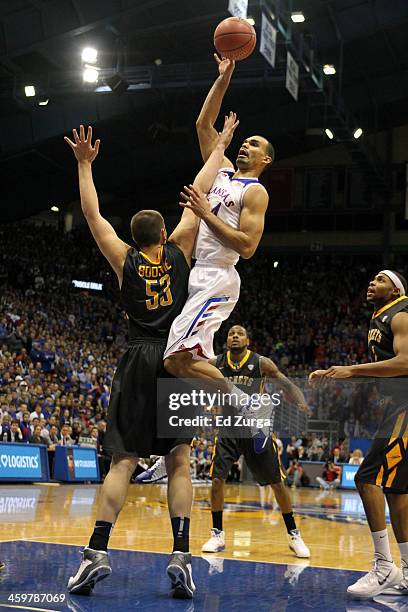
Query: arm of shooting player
x=207, y=134
x=185, y=233
x=293, y=393
x=111, y=246
x=244, y=240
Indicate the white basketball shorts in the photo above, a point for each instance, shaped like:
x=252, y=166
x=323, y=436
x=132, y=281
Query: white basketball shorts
x=213, y=292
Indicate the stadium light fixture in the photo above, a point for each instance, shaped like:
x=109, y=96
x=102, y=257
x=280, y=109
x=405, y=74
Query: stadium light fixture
x=251, y=21
x=89, y=55
x=358, y=132
x=297, y=17
x=90, y=74
x=54, y=208
x=329, y=133
x=329, y=69
x=29, y=91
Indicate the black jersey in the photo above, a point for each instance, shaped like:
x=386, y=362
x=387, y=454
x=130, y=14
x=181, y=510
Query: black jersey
x=154, y=293
x=380, y=345
x=246, y=374
x=380, y=336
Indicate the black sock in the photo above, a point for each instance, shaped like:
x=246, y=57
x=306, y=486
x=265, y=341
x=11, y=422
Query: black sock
x=100, y=537
x=181, y=533
x=289, y=521
x=217, y=520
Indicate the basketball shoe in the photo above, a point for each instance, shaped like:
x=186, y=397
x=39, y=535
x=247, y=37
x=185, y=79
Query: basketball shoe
x=216, y=543
x=383, y=575
x=180, y=573
x=297, y=544
x=402, y=587
x=95, y=566
x=154, y=474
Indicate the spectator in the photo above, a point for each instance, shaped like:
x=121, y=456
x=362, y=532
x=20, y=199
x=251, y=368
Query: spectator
x=295, y=474
x=25, y=427
x=331, y=476
x=356, y=457
x=36, y=438
x=14, y=433
x=37, y=412
x=66, y=439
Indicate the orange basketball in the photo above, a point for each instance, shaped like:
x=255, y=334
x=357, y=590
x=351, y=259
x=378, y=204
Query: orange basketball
x=234, y=38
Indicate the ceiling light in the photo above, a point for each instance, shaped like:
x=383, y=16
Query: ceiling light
x=54, y=208
x=43, y=102
x=89, y=55
x=358, y=133
x=329, y=133
x=329, y=69
x=158, y=61
x=250, y=20
x=90, y=74
x=275, y=264
x=29, y=91
x=298, y=17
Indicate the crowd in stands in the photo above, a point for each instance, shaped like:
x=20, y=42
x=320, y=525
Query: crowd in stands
x=59, y=346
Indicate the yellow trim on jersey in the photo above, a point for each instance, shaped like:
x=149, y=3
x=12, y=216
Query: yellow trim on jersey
x=155, y=263
x=213, y=456
x=384, y=308
x=241, y=363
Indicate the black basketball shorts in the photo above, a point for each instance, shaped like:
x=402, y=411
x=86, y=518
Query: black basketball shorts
x=386, y=464
x=266, y=466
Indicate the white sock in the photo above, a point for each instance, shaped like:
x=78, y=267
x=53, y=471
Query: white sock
x=382, y=544
x=403, y=546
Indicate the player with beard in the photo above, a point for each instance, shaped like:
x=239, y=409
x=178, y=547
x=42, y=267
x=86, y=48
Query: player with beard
x=249, y=372
x=384, y=471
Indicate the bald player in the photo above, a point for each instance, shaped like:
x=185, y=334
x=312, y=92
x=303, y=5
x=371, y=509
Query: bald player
x=231, y=226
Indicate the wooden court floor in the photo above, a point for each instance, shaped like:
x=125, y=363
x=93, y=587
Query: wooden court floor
x=332, y=524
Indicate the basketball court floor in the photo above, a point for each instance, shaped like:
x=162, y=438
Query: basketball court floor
x=43, y=528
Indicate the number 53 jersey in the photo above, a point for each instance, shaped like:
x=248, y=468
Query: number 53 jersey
x=153, y=293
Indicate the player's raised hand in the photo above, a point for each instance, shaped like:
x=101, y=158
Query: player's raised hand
x=195, y=200
x=230, y=124
x=82, y=147
x=225, y=66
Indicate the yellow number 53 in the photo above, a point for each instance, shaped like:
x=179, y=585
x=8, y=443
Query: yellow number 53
x=154, y=289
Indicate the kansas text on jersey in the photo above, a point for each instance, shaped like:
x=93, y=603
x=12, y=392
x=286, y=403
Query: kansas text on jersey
x=226, y=199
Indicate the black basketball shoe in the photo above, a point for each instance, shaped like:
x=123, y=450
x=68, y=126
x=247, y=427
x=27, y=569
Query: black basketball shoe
x=180, y=574
x=95, y=566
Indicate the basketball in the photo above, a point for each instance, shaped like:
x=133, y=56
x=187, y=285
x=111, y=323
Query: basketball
x=234, y=38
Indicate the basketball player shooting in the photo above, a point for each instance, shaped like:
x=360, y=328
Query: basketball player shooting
x=384, y=470
x=231, y=226
x=153, y=278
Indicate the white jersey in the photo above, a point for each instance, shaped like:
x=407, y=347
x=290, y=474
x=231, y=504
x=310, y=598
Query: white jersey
x=226, y=199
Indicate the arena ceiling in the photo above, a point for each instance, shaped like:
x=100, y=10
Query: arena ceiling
x=149, y=146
